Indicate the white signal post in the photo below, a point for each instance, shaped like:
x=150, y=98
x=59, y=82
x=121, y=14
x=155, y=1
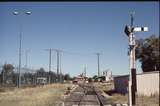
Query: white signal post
x=129, y=30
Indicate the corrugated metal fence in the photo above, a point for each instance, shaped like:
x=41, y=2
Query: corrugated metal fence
x=147, y=83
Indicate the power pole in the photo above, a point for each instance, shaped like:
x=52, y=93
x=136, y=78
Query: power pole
x=60, y=68
x=98, y=54
x=129, y=30
x=85, y=71
x=57, y=65
x=58, y=62
x=19, y=69
x=26, y=53
x=59, y=73
x=50, y=60
x=50, y=56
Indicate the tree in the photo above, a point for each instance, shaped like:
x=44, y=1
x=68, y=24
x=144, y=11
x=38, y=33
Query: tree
x=7, y=74
x=95, y=78
x=52, y=76
x=41, y=72
x=67, y=77
x=73, y=78
x=89, y=80
x=28, y=78
x=147, y=52
x=8, y=67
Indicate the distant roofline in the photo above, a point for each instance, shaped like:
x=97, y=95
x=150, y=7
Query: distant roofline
x=137, y=74
x=148, y=72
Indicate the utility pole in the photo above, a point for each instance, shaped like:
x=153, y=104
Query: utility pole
x=129, y=31
x=58, y=62
x=57, y=51
x=20, y=51
x=19, y=70
x=59, y=73
x=60, y=68
x=50, y=60
x=50, y=56
x=98, y=54
x=26, y=53
x=85, y=71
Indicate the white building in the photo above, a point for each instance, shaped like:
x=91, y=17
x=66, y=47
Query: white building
x=108, y=75
x=41, y=80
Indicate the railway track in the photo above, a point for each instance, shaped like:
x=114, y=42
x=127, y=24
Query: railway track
x=85, y=95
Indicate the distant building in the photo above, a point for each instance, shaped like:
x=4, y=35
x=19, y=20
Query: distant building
x=41, y=80
x=107, y=76
x=79, y=79
x=120, y=83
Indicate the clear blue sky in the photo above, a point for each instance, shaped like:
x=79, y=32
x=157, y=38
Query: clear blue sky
x=76, y=27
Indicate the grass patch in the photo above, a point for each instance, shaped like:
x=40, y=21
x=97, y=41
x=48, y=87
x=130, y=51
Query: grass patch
x=116, y=98
x=47, y=95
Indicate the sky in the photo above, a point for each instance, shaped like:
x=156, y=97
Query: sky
x=80, y=29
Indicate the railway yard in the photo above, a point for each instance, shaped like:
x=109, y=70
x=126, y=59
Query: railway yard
x=79, y=54
x=87, y=95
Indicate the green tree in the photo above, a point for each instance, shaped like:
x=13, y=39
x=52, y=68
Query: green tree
x=8, y=67
x=67, y=77
x=53, y=76
x=7, y=74
x=89, y=79
x=147, y=52
x=41, y=72
x=95, y=78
